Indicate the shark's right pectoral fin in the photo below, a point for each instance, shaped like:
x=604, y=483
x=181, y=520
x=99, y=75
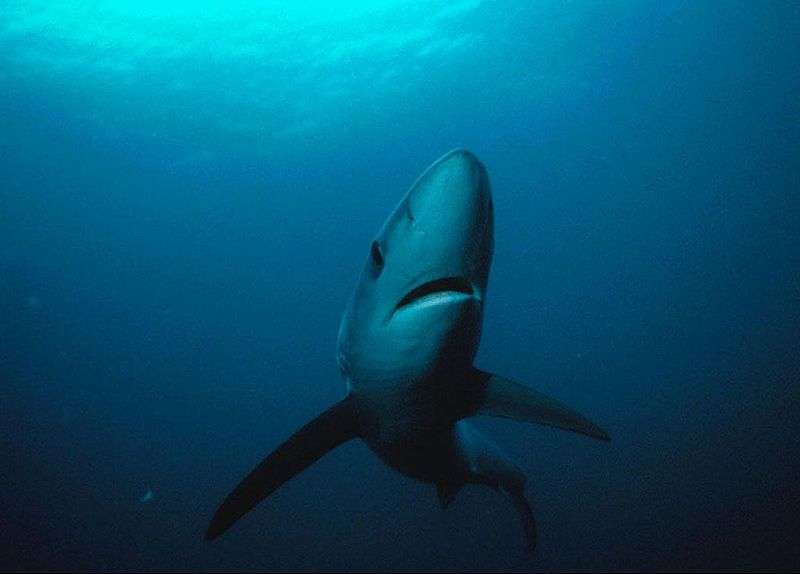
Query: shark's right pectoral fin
x=330, y=429
x=501, y=397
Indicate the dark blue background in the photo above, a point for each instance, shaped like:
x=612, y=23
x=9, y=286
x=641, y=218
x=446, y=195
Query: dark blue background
x=182, y=224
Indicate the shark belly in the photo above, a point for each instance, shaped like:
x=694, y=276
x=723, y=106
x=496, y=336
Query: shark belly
x=410, y=428
x=408, y=411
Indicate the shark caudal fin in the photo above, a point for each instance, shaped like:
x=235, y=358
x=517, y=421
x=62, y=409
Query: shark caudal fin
x=500, y=397
x=330, y=429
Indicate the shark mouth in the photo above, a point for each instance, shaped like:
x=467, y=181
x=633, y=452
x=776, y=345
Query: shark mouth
x=436, y=288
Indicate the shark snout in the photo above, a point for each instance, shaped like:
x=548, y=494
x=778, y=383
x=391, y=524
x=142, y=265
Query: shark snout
x=450, y=208
x=454, y=189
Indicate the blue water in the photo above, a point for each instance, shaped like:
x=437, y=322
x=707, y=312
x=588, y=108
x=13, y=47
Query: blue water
x=188, y=194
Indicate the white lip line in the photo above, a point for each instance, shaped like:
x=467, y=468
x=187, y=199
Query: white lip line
x=437, y=297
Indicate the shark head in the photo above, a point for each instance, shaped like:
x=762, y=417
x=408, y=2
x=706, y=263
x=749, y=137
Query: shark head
x=419, y=300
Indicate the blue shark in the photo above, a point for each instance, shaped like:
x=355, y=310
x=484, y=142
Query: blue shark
x=406, y=349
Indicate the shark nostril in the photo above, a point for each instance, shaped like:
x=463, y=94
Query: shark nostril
x=376, y=254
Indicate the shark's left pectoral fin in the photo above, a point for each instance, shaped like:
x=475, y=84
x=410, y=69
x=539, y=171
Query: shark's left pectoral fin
x=330, y=429
x=500, y=397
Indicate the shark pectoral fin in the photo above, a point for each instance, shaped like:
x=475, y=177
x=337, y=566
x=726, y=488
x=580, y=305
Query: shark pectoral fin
x=335, y=426
x=501, y=397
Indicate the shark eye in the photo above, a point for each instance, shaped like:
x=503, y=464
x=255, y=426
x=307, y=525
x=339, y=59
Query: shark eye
x=376, y=254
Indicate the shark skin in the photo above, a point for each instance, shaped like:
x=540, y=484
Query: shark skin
x=405, y=350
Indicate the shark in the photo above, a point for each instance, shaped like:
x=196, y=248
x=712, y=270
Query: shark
x=406, y=348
